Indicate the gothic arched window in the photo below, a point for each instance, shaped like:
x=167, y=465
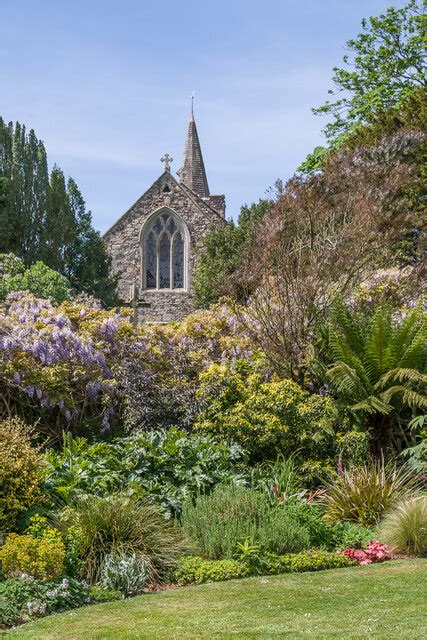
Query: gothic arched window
x=164, y=253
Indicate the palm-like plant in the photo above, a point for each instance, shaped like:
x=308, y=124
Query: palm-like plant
x=377, y=366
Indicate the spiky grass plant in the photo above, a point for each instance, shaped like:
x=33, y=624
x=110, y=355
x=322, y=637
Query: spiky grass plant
x=363, y=494
x=404, y=528
x=124, y=525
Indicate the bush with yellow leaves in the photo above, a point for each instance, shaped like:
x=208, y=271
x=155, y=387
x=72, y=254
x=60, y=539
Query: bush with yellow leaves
x=36, y=557
x=21, y=472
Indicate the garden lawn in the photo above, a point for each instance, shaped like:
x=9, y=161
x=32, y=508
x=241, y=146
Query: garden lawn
x=382, y=601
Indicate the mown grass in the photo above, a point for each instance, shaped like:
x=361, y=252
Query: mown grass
x=380, y=601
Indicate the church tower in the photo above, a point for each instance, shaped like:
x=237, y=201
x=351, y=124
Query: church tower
x=155, y=245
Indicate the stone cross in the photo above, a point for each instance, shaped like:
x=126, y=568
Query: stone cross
x=167, y=159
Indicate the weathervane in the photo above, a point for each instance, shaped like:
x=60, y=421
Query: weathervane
x=193, y=94
x=167, y=159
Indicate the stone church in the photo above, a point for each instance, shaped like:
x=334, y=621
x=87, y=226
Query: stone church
x=155, y=245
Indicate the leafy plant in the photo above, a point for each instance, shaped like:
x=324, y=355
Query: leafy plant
x=214, y=524
x=38, y=279
x=281, y=479
x=24, y=598
x=349, y=535
x=374, y=552
x=98, y=594
x=122, y=524
x=363, y=494
x=164, y=465
x=125, y=573
x=193, y=569
x=36, y=557
x=21, y=472
x=268, y=418
x=404, y=526
x=378, y=367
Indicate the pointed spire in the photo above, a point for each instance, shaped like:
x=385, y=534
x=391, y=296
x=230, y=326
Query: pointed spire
x=192, y=172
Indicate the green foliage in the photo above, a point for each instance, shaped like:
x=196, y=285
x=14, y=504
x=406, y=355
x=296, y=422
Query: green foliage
x=121, y=524
x=281, y=479
x=404, y=527
x=127, y=574
x=223, y=251
x=377, y=366
x=347, y=535
x=196, y=570
x=270, y=418
x=39, y=280
x=21, y=472
x=24, y=598
x=316, y=561
x=98, y=594
x=33, y=556
x=44, y=217
x=166, y=466
x=193, y=569
x=363, y=494
x=216, y=523
x=385, y=64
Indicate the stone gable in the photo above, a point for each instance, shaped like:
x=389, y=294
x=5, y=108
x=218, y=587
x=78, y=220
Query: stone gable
x=123, y=241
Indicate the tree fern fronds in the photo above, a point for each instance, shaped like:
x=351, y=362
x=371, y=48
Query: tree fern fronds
x=346, y=380
x=343, y=319
x=377, y=339
x=403, y=375
x=373, y=404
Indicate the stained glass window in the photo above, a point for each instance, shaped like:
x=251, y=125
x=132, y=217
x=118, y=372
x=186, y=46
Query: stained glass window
x=178, y=261
x=151, y=261
x=165, y=254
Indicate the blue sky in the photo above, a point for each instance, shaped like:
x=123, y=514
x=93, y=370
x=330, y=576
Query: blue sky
x=106, y=85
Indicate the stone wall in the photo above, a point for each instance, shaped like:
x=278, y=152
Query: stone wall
x=123, y=244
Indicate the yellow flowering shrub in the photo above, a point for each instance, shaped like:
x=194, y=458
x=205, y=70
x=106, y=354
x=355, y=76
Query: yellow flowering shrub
x=36, y=557
x=21, y=472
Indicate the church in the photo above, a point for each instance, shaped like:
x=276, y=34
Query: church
x=156, y=243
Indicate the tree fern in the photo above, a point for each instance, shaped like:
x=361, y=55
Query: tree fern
x=377, y=366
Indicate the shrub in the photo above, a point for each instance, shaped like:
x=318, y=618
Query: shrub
x=165, y=465
x=127, y=574
x=348, y=535
x=25, y=598
x=193, y=569
x=21, y=472
x=311, y=516
x=98, y=594
x=374, y=552
x=38, y=279
x=269, y=418
x=317, y=561
x=404, y=527
x=36, y=557
x=216, y=523
x=122, y=524
x=363, y=494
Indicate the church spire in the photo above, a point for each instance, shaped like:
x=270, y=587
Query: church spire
x=192, y=172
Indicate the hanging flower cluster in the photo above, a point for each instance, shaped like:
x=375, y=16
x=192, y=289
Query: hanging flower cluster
x=58, y=360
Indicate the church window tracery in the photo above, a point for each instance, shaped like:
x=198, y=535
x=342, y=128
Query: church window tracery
x=164, y=253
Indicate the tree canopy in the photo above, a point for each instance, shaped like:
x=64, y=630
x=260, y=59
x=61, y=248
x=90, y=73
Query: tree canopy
x=43, y=216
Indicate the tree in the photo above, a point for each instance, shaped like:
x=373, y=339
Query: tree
x=38, y=279
x=44, y=217
x=326, y=233
x=385, y=66
x=378, y=367
x=222, y=254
